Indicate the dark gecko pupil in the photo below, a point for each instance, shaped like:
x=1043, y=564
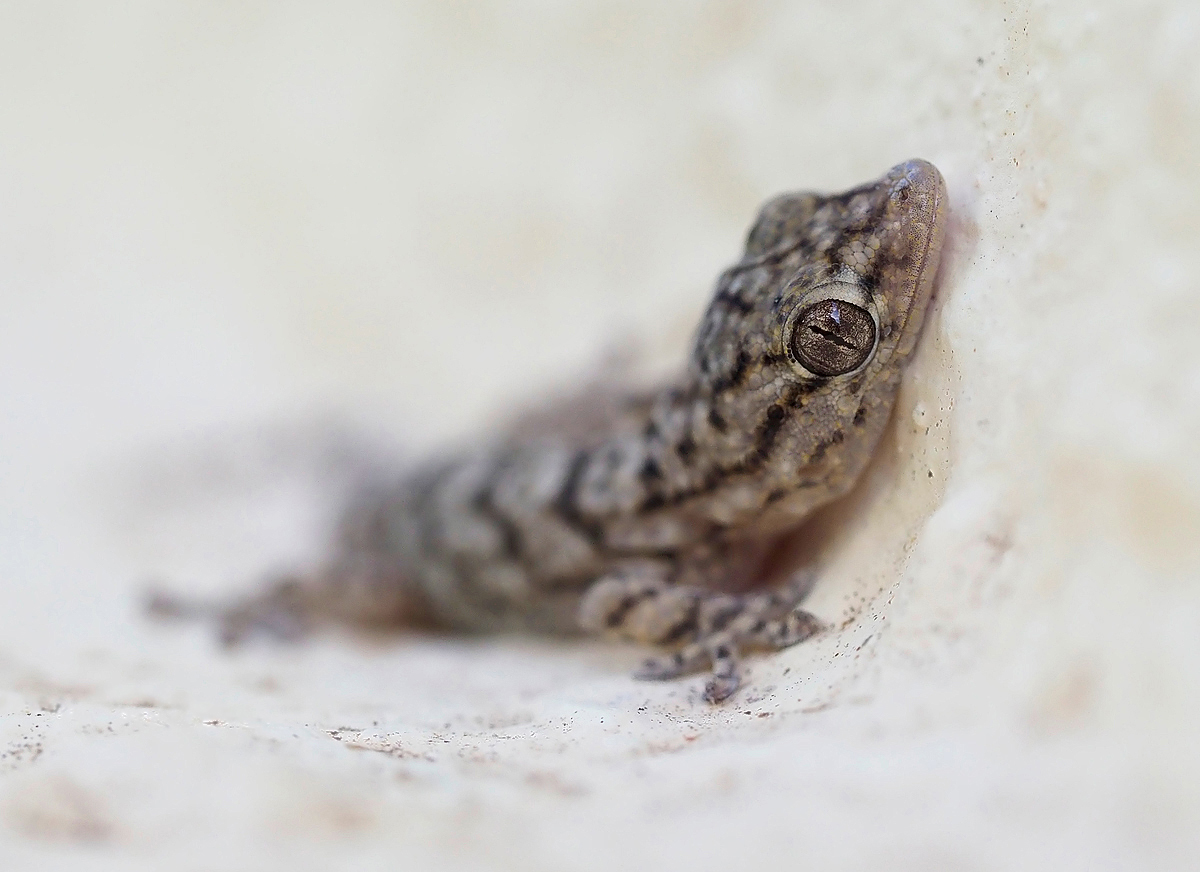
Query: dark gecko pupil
x=833, y=337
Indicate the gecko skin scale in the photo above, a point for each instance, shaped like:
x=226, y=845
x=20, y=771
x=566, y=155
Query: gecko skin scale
x=655, y=524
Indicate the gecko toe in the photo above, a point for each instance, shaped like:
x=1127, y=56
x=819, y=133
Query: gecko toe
x=720, y=687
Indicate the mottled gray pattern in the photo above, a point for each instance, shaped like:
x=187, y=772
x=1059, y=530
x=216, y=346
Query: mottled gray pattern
x=655, y=525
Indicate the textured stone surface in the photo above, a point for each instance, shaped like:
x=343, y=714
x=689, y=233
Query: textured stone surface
x=217, y=226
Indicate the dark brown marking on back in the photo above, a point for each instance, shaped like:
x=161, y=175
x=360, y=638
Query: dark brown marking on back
x=650, y=472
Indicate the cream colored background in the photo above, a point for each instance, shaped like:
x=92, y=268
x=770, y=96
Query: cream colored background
x=224, y=226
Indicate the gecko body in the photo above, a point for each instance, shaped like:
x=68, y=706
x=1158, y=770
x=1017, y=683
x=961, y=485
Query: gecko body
x=654, y=525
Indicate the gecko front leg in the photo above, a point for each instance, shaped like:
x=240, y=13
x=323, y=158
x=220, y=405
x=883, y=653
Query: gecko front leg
x=705, y=627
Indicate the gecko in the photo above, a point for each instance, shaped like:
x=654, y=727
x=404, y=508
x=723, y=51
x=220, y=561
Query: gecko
x=656, y=522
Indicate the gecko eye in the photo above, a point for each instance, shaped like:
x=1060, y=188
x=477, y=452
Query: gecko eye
x=832, y=337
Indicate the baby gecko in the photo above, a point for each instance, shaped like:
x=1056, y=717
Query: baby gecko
x=655, y=524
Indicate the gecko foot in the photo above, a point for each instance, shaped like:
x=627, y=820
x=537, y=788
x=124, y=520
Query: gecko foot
x=356, y=590
x=278, y=612
x=709, y=628
x=726, y=672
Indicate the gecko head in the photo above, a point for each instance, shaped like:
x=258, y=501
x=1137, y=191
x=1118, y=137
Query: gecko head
x=835, y=285
x=810, y=330
x=856, y=303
